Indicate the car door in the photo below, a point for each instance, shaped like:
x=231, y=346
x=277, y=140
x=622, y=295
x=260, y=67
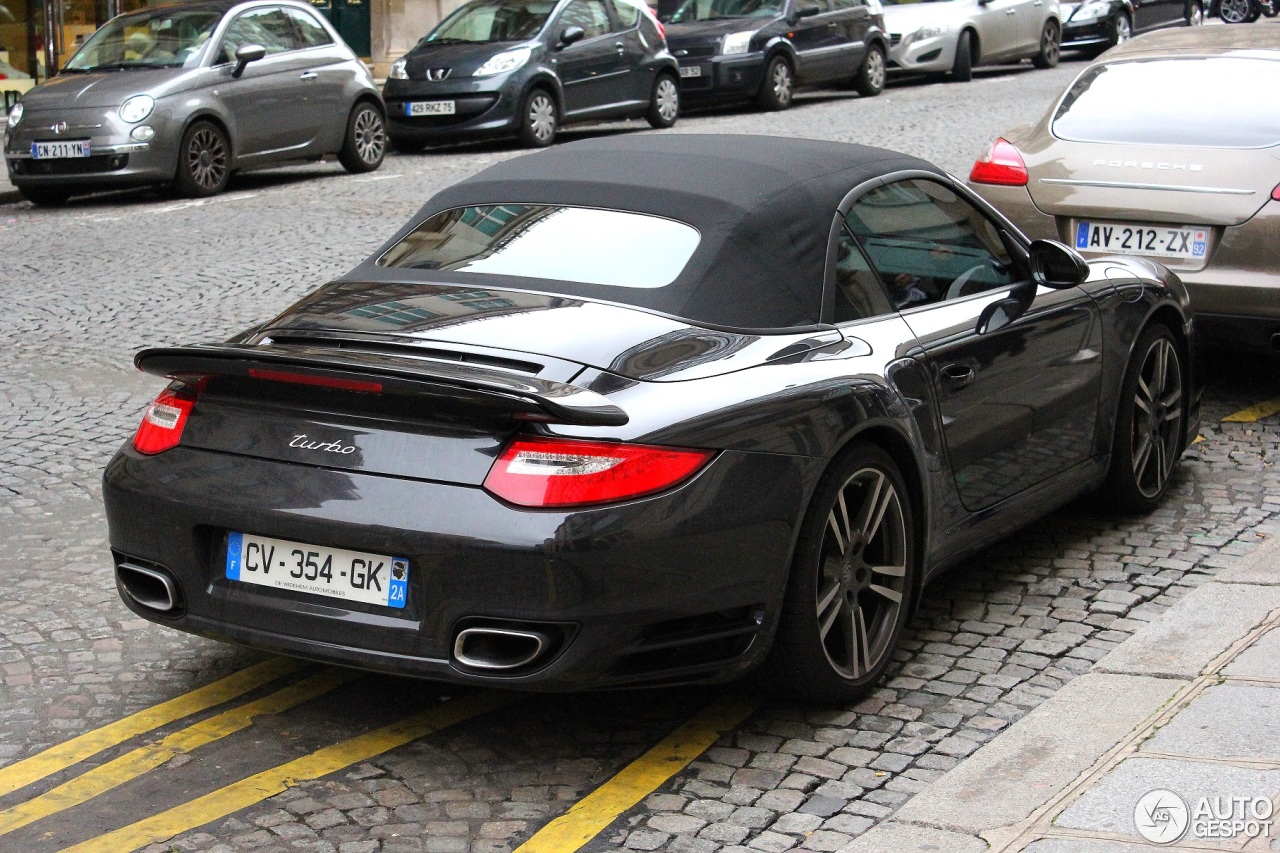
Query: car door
x=593, y=70
x=814, y=37
x=323, y=67
x=1031, y=16
x=997, y=23
x=1017, y=404
x=1148, y=14
x=268, y=101
x=853, y=18
x=637, y=83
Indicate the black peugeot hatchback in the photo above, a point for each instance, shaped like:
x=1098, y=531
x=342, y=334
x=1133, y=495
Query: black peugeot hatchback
x=525, y=67
x=763, y=49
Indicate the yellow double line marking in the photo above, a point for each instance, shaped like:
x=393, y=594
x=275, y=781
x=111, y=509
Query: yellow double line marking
x=589, y=817
x=23, y=773
x=268, y=783
x=133, y=764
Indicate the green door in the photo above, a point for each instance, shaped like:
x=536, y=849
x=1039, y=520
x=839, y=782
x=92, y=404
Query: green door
x=351, y=19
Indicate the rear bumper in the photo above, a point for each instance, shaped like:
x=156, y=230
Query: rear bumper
x=681, y=587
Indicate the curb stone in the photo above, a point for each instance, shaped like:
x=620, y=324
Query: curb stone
x=1063, y=747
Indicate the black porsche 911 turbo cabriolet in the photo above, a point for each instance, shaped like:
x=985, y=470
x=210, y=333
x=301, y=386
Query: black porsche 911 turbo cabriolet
x=648, y=410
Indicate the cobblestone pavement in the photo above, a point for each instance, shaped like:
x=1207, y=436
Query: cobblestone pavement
x=86, y=286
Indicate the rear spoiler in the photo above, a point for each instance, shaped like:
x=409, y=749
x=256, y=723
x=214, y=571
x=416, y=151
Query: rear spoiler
x=482, y=387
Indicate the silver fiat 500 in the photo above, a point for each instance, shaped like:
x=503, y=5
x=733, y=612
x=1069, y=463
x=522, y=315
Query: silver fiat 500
x=186, y=95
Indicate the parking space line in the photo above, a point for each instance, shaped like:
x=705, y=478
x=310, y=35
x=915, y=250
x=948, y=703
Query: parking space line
x=586, y=819
x=64, y=755
x=133, y=764
x=1254, y=413
x=254, y=789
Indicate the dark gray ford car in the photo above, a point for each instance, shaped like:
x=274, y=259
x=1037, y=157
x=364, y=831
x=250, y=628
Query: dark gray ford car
x=186, y=95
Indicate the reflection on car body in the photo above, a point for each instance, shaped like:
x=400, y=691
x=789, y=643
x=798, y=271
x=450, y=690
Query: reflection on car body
x=956, y=35
x=729, y=450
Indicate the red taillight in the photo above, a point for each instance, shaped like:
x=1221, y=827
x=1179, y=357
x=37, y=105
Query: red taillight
x=1002, y=164
x=161, y=426
x=1275, y=193
x=550, y=472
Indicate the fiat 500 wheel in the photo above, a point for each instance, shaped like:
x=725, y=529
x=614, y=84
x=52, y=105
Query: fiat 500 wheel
x=204, y=161
x=366, y=141
x=849, y=593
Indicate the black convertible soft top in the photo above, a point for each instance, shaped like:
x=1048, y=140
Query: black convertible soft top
x=764, y=206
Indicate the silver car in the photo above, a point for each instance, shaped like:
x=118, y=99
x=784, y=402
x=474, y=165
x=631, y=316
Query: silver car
x=186, y=95
x=956, y=35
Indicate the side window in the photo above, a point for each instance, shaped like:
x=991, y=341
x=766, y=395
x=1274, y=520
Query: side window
x=591, y=15
x=841, y=5
x=929, y=244
x=268, y=27
x=858, y=292
x=308, y=29
x=628, y=13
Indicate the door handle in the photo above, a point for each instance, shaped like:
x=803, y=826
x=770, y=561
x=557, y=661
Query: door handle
x=957, y=376
x=309, y=75
x=1011, y=11
x=833, y=25
x=620, y=46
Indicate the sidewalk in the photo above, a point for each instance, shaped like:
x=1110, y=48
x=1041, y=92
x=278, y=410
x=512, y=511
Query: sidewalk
x=1173, y=740
x=8, y=194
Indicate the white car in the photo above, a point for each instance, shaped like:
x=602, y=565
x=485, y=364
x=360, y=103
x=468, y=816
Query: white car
x=954, y=36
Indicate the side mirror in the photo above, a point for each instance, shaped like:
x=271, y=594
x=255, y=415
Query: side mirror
x=807, y=11
x=1057, y=266
x=569, y=36
x=245, y=54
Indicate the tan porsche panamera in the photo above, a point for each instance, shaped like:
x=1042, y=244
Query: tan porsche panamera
x=1152, y=152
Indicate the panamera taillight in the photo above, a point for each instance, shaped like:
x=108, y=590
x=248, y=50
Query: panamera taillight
x=557, y=472
x=1275, y=193
x=161, y=427
x=1002, y=164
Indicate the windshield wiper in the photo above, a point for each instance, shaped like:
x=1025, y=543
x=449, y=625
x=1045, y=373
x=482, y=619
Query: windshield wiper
x=121, y=66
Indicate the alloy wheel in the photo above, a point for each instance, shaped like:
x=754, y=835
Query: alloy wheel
x=1122, y=30
x=1051, y=45
x=370, y=136
x=542, y=117
x=781, y=83
x=1157, y=417
x=875, y=69
x=207, y=159
x=861, y=573
x=1234, y=11
x=667, y=99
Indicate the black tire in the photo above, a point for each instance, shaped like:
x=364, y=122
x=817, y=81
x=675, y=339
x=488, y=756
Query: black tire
x=204, y=161
x=664, y=103
x=1050, y=46
x=1255, y=12
x=539, y=119
x=366, y=141
x=407, y=146
x=962, y=66
x=869, y=81
x=1120, y=30
x=1149, y=423
x=852, y=580
x=44, y=196
x=779, y=86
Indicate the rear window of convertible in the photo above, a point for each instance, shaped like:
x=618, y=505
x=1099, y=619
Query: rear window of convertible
x=1203, y=102
x=579, y=244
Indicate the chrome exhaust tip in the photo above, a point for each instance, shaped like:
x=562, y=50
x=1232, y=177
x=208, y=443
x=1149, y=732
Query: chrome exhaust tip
x=499, y=649
x=150, y=588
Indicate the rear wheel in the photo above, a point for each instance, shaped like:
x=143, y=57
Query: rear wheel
x=851, y=581
x=45, y=197
x=962, y=66
x=366, y=141
x=1149, y=423
x=204, y=161
x=1121, y=30
x=1050, y=46
x=779, y=85
x=869, y=81
x=664, y=104
x=538, y=120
